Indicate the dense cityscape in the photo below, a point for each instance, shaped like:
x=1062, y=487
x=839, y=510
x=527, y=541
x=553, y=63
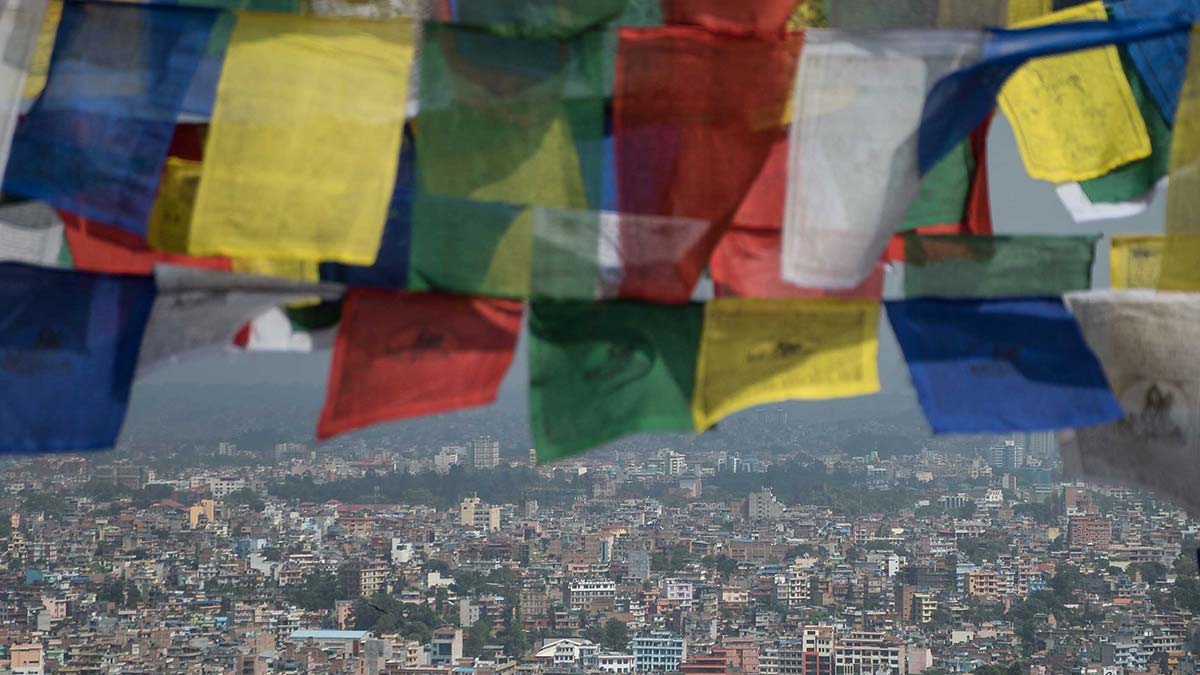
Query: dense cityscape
x=469, y=559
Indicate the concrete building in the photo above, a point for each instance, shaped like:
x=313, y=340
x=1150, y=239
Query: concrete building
x=583, y=593
x=1089, y=530
x=347, y=642
x=763, y=506
x=659, y=651
x=866, y=653
x=485, y=452
x=446, y=647
x=27, y=659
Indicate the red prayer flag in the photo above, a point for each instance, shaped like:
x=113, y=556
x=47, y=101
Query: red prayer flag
x=695, y=116
x=760, y=16
x=96, y=247
x=401, y=355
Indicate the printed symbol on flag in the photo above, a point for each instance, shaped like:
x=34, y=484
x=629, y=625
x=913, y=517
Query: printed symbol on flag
x=417, y=345
x=1156, y=411
x=783, y=349
x=1004, y=359
x=623, y=362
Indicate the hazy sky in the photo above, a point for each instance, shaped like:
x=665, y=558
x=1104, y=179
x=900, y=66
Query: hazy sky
x=1020, y=205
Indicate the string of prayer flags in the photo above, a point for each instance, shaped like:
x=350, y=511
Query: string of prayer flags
x=199, y=310
x=390, y=269
x=95, y=140
x=1179, y=269
x=19, y=23
x=1135, y=261
x=765, y=16
x=759, y=351
x=997, y=267
x=687, y=100
x=68, y=345
x=305, y=134
x=964, y=98
x=1160, y=62
x=600, y=371
x=96, y=247
x=916, y=14
x=1074, y=115
x=30, y=232
x=1146, y=343
x=401, y=355
x=853, y=164
x=1000, y=365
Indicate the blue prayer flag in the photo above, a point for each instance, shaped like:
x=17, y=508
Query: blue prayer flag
x=95, y=141
x=1160, y=62
x=994, y=366
x=391, y=265
x=958, y=102
x=68, y=347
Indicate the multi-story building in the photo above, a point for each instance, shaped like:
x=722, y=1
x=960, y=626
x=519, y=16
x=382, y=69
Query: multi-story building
x=364, y=579
x=1089, y=530
x=659, y=651
x=446, y=647
x=583, y=593
x=763, y=506
x=485, y=452
x=868, y=653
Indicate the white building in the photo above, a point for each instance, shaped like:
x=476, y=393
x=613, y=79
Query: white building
x=659, y=651
x=763, y=506
x=485, y=452
x=581, y=593
x=868, y=652
x=678, y=590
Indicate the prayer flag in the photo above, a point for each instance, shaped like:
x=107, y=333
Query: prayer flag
x=997, y=267
x=1147, y=344
x=759, y=351
x=401, y=355
x=30, y=232
x=1084, y=210
x=199, y=310
x=853, y=165
x=1020, y=11
x=764, y=16
x=600, y=371
x=531, y=18
x=96, y=247
x=1181, y=259
x=68, y=344
x=95, y=140
x=1161, y=62
x=687, y=100
x=1136, y=260
x=43, y=48
x=306, y=130
x=955, y=190
x=1074, y=115
x=996, y=366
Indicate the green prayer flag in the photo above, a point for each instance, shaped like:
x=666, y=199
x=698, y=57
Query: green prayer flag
x=965, y=266
x=600, y=371
x=321, y=316
x=945, y=191
x=537, y=18
x=1136, y=178
x=65, y=259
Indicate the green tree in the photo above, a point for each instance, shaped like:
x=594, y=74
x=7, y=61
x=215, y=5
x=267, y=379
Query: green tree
x=1152, y=572
x=616, y=635
x=246, y=497
x=1186, y=594
x=319, y=590
x=513, y=637
x=478, y=636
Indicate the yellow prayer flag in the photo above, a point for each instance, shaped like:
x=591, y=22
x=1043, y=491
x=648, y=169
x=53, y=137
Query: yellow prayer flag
x=1136, y=260
x=1181, y=261
x=302, y=149
x=301, y=270
x=1020, y=11
x=39, y=63
x=755, y=351
x=1074, y=115
x=171, y=218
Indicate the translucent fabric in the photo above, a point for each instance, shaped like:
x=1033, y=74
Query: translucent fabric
x=531, y=18
x=956, y=190
x=19, y=24
x=68, y=344
x=95, y=140
x=1020, y=11
x=302, y=149
x=1181, y=261
x=853, y=170
x=199, y=311
x=600, y=371
x=1161, y=62
x=997, y=267
x=1135, y=261
x=759, y=351
x=1074, y=115
x=401, y=355
x=916, y=14
x=1147, y=344
x=30, y=232
x=97, y=247
x=998, y=366
x=686, y=101
x=763, y=16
